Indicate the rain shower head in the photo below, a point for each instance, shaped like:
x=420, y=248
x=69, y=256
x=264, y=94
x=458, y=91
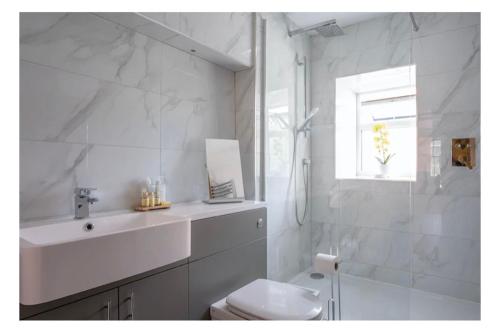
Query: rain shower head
x=330, y=30
x=326, y=29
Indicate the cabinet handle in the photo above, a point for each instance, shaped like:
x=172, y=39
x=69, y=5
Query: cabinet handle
x=131, y=309
x=108, y=310
x=260, y=223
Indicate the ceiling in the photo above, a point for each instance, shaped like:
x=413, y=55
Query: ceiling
x=303, y=20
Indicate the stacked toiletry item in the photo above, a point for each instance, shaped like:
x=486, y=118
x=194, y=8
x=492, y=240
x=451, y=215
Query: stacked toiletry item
x=154, y=196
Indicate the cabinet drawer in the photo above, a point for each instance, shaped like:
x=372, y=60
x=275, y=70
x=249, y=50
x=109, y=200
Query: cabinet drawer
x=102, y=306
x=163, y=296
x=212, y=235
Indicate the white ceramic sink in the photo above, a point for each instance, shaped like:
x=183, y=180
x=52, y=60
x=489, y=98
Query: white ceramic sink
x=62, y=258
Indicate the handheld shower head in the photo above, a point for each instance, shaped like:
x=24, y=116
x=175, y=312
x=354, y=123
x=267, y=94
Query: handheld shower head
x=307, y=120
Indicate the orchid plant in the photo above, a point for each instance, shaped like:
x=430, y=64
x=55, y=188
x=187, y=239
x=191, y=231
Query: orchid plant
x=381, y=140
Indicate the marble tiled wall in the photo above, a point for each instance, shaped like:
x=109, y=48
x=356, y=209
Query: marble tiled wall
x=289, y=244
x=423, y=234
x=104, y=106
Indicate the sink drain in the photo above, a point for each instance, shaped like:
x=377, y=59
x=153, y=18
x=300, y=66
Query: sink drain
x=316, y=275
x=88, y=227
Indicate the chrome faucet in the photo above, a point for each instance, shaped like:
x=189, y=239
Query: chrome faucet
x=82, y=201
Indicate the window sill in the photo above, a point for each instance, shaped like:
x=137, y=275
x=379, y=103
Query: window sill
x=375, y=178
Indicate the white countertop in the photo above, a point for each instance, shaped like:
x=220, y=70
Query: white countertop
x=194, y=210
x=198, y=210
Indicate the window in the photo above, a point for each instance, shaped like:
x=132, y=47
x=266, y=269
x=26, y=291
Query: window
x=376, y=125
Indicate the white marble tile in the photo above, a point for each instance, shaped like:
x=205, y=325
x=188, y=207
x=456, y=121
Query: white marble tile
x=63, y=107
x=245, y=109
x=280, y=215
x=389, y=211
x=50, y=172
x=119, y=173
x=446, y=257
x=457, y=91
x=245, y=126
x=449, y=51
x=323, y=97
x=87, y=44
x=288, y=253
x=432, y=23
x=186, y=75
x=193, y=108
x=322, y=208
x=185, y=174
x=48, y=176
x=248, y=166
x=323, y=238
x=376, y=247
x=457, y=216
x=322, y=175
x=323, y=142
x=186, y=123
x=389, y=56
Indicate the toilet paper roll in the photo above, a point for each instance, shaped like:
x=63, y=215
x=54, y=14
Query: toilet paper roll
x=326, y=264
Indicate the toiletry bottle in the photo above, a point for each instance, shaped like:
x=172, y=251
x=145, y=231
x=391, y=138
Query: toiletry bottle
x=157, y=192
x=144, y=198
x=152, y=202
x=163, y=190
x=149, y=185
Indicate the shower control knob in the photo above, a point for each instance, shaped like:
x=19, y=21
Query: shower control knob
x=260, y=223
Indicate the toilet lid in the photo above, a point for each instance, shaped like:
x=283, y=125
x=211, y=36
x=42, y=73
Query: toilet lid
x=271, y=300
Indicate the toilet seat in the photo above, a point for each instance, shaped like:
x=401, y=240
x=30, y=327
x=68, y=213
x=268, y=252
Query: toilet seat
x=271, y=300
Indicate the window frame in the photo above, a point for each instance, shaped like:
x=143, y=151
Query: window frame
x=406, y=122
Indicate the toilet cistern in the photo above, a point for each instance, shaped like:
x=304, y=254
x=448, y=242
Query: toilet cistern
x=82, y=202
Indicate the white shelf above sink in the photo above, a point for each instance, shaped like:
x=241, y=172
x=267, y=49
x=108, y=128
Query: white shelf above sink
x=163, y=33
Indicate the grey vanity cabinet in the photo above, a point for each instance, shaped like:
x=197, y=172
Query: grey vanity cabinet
x=103, y=306
x=227, y=252
x=163, y=296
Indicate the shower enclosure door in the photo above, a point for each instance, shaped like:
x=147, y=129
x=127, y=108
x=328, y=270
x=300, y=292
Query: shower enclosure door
x=364, y=147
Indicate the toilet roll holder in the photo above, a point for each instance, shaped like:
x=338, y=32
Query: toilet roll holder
x=331, y=301
x=322, y=262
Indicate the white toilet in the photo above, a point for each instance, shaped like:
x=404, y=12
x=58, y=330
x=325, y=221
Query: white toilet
x=269, y=300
